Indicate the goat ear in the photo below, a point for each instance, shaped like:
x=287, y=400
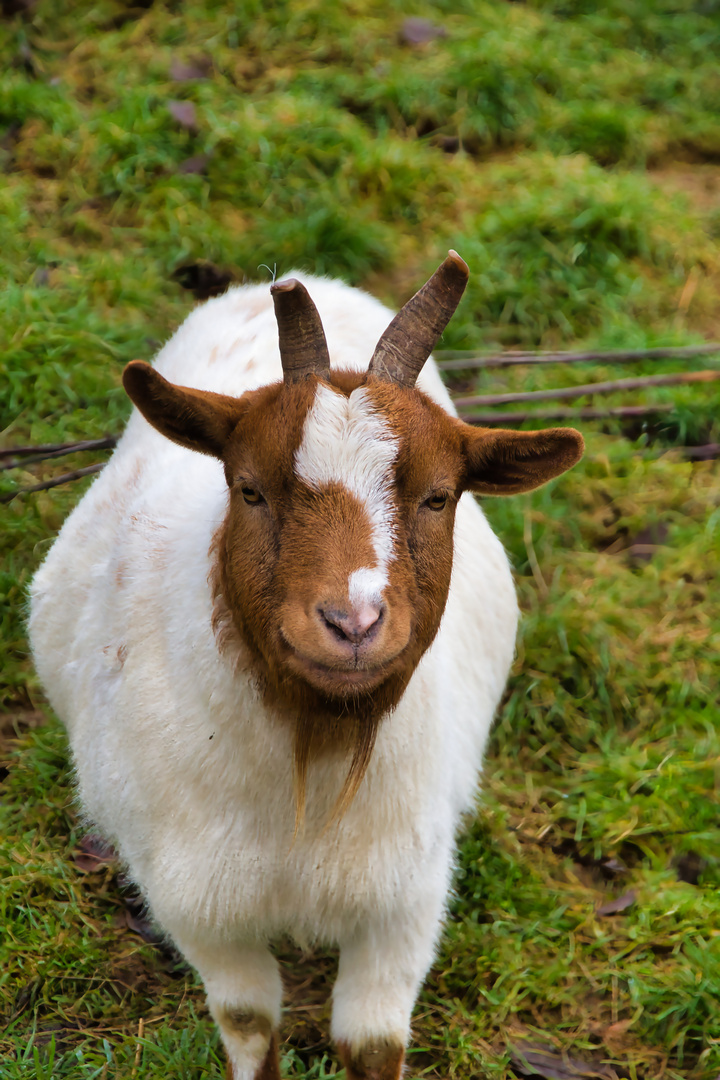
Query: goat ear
x=501, y=462
x=197, y=419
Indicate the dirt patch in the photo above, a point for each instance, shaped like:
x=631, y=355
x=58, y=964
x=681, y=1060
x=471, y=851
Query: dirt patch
x=699, y=183
x=13, y=726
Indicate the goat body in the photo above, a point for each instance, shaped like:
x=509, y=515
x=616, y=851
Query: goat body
x=185, y=756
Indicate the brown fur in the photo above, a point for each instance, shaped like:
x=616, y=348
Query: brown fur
x=375, y=1061
x=285, y=559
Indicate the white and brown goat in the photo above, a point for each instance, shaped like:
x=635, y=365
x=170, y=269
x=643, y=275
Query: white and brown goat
x=278, y=659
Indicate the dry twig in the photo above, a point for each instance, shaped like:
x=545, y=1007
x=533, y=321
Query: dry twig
x=621, y=411
x=590, y=388
x=18, y=455
x=55, y=482
x=456, y=360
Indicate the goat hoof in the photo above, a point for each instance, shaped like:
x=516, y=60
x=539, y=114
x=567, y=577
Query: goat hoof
x=379, y=1060
x=270, y=1067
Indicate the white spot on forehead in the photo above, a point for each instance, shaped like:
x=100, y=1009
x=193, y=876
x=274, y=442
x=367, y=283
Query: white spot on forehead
x=346, y=441
x=366, y=585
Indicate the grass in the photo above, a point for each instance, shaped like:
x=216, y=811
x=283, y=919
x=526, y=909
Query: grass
x=551, y=144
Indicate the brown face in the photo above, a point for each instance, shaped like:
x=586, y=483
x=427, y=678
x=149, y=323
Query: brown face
x=337, y=552
x=336, y=555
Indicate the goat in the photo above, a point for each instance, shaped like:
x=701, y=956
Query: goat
x=278, y=658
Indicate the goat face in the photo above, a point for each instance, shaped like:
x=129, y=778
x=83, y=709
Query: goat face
x=338, y=544
x=336, y=554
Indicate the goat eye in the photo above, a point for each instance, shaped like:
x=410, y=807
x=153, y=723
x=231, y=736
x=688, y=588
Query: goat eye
x=251, y=495
x=436, y=502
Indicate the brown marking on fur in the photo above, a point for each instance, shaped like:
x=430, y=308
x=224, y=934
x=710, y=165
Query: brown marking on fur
x=116, y=656
x=133, y=478
x=248, y=1023
x=120, y=574
x=270, y=1067
x=142, y=521
x=379, y=1060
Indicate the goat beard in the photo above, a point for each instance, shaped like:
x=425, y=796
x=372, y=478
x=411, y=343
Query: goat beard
x=312, y=735
x=348, y=722
x=322, y=724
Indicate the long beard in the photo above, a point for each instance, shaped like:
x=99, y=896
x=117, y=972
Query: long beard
x=323, y=724
x=312, y=735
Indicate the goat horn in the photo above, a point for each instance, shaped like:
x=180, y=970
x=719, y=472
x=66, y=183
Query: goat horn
x=412, y=335
x=303, y=348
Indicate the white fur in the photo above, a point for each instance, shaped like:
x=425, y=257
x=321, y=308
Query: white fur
x=177, y=760
x=347, y=442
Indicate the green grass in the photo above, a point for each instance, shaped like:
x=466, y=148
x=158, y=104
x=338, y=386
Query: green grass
x=526, y=136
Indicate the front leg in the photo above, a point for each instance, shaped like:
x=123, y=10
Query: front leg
x=381, y=970
x=244, y=994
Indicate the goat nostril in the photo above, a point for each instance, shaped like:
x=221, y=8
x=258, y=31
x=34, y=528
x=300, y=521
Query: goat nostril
x=355, y=625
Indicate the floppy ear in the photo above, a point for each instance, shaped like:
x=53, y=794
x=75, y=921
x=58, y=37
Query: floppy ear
x=501, y=462
x=197, y=419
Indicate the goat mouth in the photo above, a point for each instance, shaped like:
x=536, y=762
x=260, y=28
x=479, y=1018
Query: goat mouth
x=337, y=679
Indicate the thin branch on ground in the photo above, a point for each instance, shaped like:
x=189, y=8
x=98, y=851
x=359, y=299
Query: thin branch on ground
x=614, y=385
x=66, y=478
x=18, y=455
x=459, y=360
x=11, y=451
x=620, y=411
x=708, y=452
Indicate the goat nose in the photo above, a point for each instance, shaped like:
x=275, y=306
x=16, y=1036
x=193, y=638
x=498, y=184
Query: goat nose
x=355, y=625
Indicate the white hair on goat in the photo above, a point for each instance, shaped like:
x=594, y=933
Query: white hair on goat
x=327, y=531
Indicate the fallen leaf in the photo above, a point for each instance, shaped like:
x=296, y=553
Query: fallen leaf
x=540, y=1059
x=140, y=924
x=648, y=540
x=613, y=866
x=198, y=68
x=615, y=907
x=93, y=853
x=708, y=452
x=616, y=1031
x=418, y=31
x=450, y=144
x=184, y=113
x=197, y=164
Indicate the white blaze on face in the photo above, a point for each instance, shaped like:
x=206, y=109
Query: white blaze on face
x=347, y=441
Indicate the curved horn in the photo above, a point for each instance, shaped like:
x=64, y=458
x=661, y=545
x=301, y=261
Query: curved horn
x=303, y=348
x=412, y=335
